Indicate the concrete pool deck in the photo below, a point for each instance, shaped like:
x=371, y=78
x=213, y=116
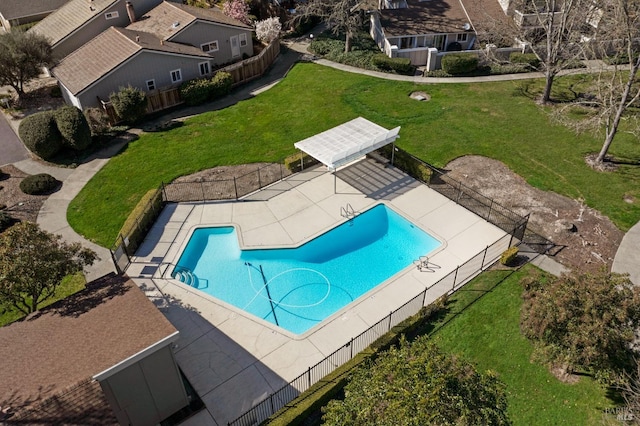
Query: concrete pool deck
x=234, y=360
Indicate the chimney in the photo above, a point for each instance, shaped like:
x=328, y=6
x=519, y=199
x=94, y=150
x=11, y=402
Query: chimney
x=131, y=12
x=137, y=38
x=161, y=42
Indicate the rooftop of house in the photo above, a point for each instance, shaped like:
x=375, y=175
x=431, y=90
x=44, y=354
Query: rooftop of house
x=440, y=17
x=15, y=9
x=69, y=17
x=168, y=19
x=109, y=49
x=49, y=358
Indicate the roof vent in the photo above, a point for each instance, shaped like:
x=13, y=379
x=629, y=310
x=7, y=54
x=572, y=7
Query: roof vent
x=175, y=24
x=466, y=26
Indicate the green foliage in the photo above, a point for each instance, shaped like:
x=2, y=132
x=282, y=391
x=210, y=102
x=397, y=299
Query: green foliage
x=74, y=128
x=98, y=120
x=5, y=220
x=582, y=321
x=22, y=56
x=399, y=65
x=418, y=384
x=40, y=134
x=460, y=63
x=129, y=103
x=41, y=183
x=197, y=91
x=529, y=59
x=221, y=84
x=509, y=256
x=33, y=262
x=362, y=52
x=141, y=218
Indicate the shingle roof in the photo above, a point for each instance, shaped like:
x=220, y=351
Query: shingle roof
x=13, y=9
x=424, y=17
x=440, y=17
x=168, y=19
x=69, y=17
x=64, y=345
x=108, y=50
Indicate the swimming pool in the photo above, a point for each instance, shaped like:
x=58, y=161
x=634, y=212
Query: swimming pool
x=297, y=288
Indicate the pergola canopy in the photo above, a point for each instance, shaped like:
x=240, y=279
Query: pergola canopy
x=342, y=144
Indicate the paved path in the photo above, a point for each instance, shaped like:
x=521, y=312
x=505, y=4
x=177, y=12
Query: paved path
x=627, y=259
x=11, y=147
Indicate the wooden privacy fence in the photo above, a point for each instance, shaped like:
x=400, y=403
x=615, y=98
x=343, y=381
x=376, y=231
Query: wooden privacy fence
x=254, y=67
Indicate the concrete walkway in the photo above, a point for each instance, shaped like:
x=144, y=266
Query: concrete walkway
x=627, y=259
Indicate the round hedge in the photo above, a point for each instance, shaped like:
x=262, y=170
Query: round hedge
x=73, y=127
x=39, y=184
x=40, y=134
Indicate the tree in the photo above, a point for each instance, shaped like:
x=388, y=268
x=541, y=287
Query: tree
x=582, y=321
x=342, y=16
x=237, y=9
x=554, y=33
x=129, y=103
x=620, y=26
x=268, y=30
x=418, y=384
x=32, y=264
x=22, y=56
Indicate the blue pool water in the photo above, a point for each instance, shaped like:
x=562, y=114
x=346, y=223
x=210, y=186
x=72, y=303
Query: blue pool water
x=297, y=288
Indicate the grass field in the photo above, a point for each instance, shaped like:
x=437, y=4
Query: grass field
x=487, y=333
x=498, y=120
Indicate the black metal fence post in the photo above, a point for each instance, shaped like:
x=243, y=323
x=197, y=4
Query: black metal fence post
x=202, y=190
x=484, y=256
x=455, y=277
x=235, y=186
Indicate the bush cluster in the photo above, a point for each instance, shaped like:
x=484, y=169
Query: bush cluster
x=399, y=65
x=509, y=256
x=39, y=184
x=198, y=91
x=40, y=134
x=129, y=103
x=5, y=220
x=46, y=133
x=529, y=59
x=141, y=218
x=460, y=63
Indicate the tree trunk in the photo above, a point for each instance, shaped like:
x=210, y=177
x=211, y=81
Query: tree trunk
x=546, y=95
x=347, y=43
x=622, y=107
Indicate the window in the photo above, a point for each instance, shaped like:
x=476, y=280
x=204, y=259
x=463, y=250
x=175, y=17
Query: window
x=243, y=39
x=212, y=46
x=111, y=15
x=204, y=68
x=176, y=76
x=151, y=85
x=461, y=37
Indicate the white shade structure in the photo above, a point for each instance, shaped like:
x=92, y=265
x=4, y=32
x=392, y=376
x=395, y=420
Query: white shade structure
x=345, y=143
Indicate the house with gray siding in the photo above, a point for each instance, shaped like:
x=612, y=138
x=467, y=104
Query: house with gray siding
x=78, y=21
x=14, y=13
x=121, y=57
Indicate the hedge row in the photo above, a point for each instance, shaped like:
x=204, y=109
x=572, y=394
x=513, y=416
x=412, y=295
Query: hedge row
x=195, y=92
x=460, y=63
x=399, y=65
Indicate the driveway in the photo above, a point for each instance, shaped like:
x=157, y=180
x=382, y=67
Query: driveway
x=11, y=148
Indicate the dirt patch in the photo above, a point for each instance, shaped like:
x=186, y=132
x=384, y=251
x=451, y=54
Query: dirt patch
x=590, y=239
x=18, y=204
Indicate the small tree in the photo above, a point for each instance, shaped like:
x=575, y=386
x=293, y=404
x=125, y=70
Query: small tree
x=40, y=134
x=237, y=9
x=342, y=16
x=268, y=30
x=130, y=103
x=417, y=384
x=22, y=56
x=32, y=264
x=73, y=127
x=582, y=321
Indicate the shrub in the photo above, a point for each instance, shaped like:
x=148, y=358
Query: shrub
x=55, y=92
x=509, y=256
x=460, y=63
x=141, y=218
x=399, y=65
x=41, y=183
x=196, y=92
x=268, y=29
x=130, y=104
x=5, y=220
x=529, y=59
x=74, y=128
x=98, y=120
x=324, y=46
x=40, y=134
x=221, y=84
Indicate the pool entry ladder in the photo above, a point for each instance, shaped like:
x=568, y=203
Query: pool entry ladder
x=347, y=211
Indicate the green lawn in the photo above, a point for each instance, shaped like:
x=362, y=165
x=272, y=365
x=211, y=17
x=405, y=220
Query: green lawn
x=487, y=333
x=70, y=284
x=491, y=119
